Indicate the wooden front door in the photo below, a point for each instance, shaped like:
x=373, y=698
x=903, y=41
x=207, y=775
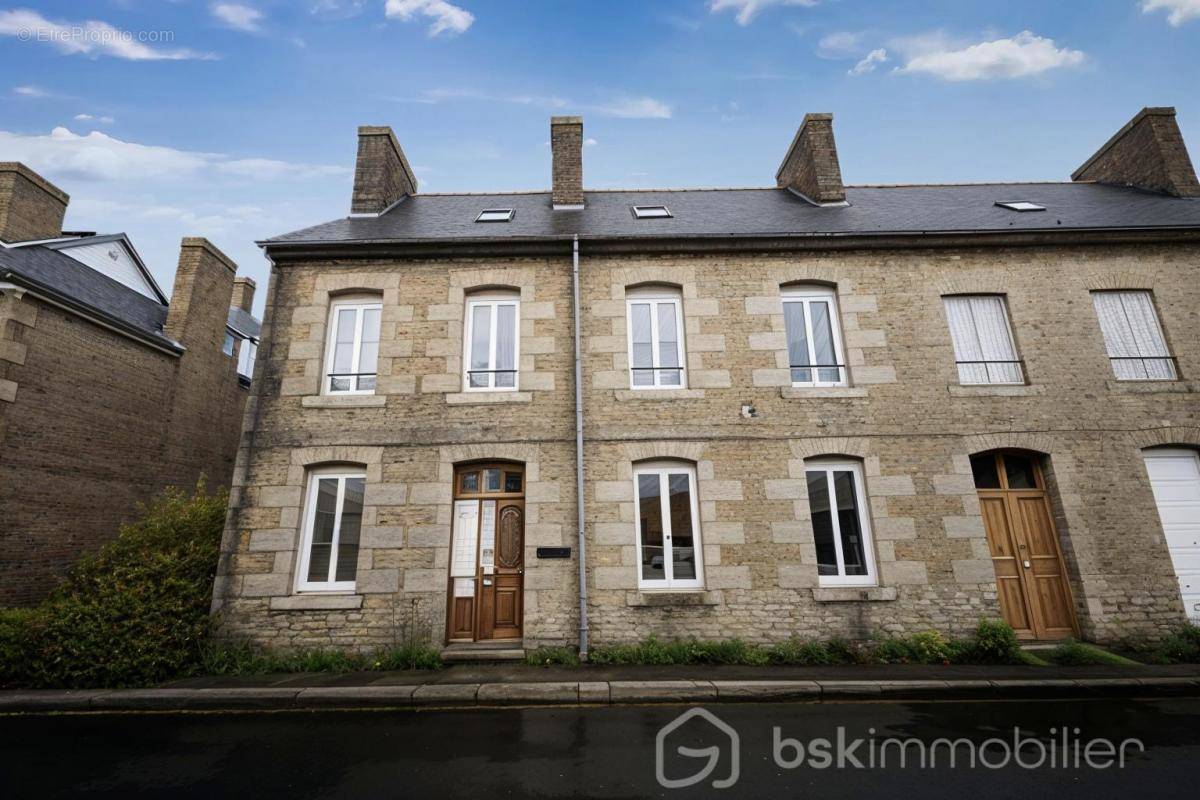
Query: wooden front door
x=1031, y=579
x=487, y=556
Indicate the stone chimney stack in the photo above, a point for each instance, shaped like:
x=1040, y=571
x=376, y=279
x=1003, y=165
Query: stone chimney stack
x=382, y=176
x=1148, y=153
x=566, y=150
x=197, y=315
x=811, y=164
x=243, y=293
x=30, y=206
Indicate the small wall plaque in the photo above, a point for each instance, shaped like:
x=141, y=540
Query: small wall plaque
x=554, y=552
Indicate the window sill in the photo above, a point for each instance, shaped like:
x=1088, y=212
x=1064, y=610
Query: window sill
x=1153, y=387
x=317, y=602
x=486, y=398
x=851, y=594
x=821, y=392
x=995, y=390
x=344, y=401
x=659, y=599
x=659, y=394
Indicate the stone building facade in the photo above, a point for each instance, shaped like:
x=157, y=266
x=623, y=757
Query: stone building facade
x=108, y=394
x=737, y=426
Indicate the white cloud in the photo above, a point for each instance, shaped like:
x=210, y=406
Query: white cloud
x=843, y=44
x=335, y=9
x=1020, y=56
x=447, y=17
x=748, y=9
x=92, y=118
x=634, y=108
x=868, y=64
x=623, y=107
x=92, y=37
x=235, y=15
x=30, y=91
x=1180, y=11
x=590, y=143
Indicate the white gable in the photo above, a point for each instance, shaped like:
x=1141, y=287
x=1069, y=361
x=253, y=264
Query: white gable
x=112, y=258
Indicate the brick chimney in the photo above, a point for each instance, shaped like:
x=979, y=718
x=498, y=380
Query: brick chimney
x=198, y=312
x=30, y=206
x=1148, y=153
x=243, y=293
x=566, y=150
x=811, y=164
x=382, y=175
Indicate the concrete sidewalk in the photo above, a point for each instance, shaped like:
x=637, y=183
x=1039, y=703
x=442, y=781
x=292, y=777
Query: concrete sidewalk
x=519, y=685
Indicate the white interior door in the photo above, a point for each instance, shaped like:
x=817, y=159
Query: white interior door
x=1175, y=478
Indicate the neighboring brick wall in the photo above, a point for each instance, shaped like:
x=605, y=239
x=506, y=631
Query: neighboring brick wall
x=1149, y=153
x=903, y=414
x=811, y=165
x=30, y=206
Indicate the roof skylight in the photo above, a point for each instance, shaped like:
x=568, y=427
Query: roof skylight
x=1020, y=205
x=651, y=212
x=495, y=215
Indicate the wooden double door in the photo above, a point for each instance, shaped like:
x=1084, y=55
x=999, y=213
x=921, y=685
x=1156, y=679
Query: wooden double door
x=1035, y=596
x=487, y=553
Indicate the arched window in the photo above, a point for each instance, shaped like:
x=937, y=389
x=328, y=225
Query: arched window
x=656, y=352
x=814, y=335
x=491, y=341
x=668, y=525
x=841, y=525
x=352, y=348
x=332, y=524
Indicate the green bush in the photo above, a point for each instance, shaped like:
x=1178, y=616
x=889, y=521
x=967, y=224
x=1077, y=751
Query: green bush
x=242, y=659
x=797, y=652
x=995, y=642
x=1180, y=647
x=552, y=656
x=133, y=614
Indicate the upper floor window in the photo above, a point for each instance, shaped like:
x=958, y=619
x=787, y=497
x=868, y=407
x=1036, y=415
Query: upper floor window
x=1134, y=338
x=983, y=344
x=332, y=525
x=841, y=528
x=246, y=357
x=353, y=350
x=668, y=526
x=492, y=342
x=813, y=335
x=227, y=346
x=655, y=317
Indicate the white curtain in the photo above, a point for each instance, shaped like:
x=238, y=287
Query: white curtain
x=979, y=330
x=506, y=344
x=643, y=347
x=1133, y=337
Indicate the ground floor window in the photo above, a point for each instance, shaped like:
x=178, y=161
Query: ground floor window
x=841, y=529
x=668, y=526
x=332, y=524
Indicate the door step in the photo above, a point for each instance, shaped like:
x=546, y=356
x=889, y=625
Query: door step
x=477, y=652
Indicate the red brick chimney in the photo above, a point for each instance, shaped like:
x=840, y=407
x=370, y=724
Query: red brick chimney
x=1148, y=153
x=811, y=164
x=382, y=176
x=566, y=151
x=30, y=206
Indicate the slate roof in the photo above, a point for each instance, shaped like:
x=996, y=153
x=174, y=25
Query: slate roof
x=732, y=213
x=244, y=323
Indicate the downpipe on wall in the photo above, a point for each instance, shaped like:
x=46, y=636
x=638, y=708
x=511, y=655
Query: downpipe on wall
x=583, y=612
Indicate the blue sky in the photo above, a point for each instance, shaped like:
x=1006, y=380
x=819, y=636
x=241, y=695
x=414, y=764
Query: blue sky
x=236, y=120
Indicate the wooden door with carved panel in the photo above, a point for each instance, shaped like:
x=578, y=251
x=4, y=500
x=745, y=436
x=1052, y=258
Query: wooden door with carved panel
x=487, y=556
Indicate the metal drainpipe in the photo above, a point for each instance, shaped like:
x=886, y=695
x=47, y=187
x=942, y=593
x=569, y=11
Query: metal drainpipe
x=583, y=614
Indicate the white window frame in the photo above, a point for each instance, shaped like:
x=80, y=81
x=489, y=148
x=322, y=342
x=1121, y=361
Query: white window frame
x=1169, y=358
x=807, y=295
x=829, y=466
x=246, y=357
x=662, y=469
x=1012, y=343
x=654, y=297
x=492, y=300
x=229, y=344
x=359, y=305
x=310, y=509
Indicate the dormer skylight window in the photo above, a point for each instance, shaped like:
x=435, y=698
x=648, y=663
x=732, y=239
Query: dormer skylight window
x=495, y=215
x=651, y=212
x=1020, y=205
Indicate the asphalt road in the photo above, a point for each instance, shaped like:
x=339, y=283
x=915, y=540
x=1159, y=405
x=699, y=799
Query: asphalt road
x=606, y=752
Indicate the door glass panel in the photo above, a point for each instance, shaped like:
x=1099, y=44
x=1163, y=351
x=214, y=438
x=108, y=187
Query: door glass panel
x=853, y=553
x=352, y=506
x=683, y=549
x=322, y=536
x=822, y=523
x=481, y=331
x=469, y=481
x=466, y=539
x=487, y=535
x=1019, y=471
x=642, y=347
x=984, y=469
x=491, y=480
x=512, y=482
x=650, y=513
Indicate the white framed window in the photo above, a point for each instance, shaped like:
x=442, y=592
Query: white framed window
x=332, y=525
x=227, y=345
x=841, y=526
x=667, y=519
x=984, y=350
x=814, y=336
x=656, y=353
x=352, y=352
x=491, y=342
x=1133, y=336
x=246, y=357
